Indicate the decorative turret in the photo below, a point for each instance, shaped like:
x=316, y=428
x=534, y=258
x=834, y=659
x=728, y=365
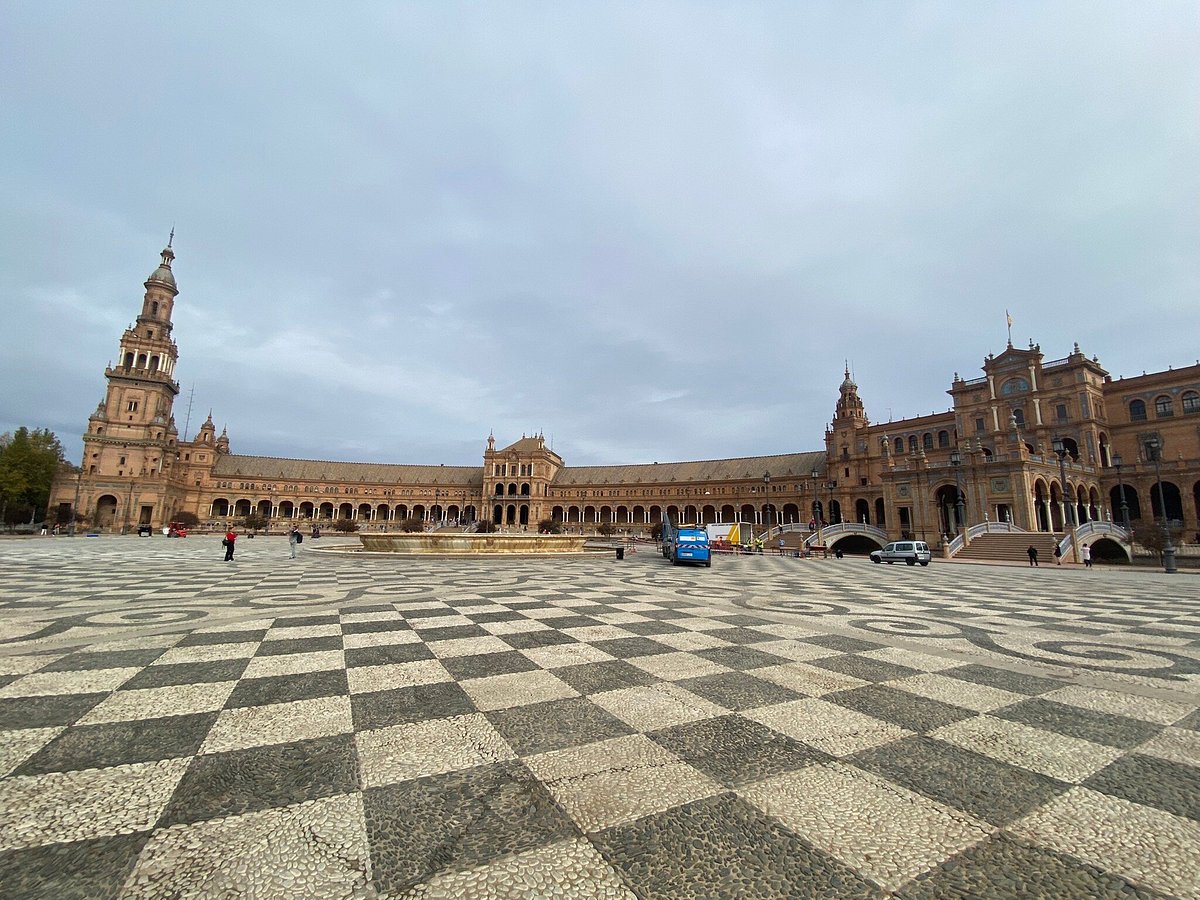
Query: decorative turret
x=849, y=406
x=208, y=431
x=223, y=441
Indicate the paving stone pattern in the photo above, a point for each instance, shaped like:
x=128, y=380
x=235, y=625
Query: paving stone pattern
x=172, y=725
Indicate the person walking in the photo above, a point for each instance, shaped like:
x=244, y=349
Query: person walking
x=230, y=539
x=1032, y=551
x=293, y=539
x=1086, y=552
x=1057, y=555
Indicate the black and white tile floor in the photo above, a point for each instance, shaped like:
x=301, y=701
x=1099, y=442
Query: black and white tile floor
x=172, y=725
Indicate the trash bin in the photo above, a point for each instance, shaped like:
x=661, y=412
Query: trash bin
x=620, y=553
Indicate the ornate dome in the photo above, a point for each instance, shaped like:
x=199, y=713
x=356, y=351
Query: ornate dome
x=163, y=274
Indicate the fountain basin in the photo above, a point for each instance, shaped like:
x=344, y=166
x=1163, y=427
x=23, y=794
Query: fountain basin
x=459, y=544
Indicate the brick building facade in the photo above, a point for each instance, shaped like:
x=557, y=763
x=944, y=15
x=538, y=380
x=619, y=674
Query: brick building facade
x=996, y=444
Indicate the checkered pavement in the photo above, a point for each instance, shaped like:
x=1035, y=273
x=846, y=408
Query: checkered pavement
x=573, y=734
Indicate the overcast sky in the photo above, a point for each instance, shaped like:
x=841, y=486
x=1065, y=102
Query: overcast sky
x=652, y=230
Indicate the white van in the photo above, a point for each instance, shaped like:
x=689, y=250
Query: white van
x=908, y=552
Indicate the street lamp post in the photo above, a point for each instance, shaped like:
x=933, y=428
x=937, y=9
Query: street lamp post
x=1154, y=446
x=815, y=516
x=767, y=504
x=1059, y=446
x=1117, y=462
x=959, y=511
x=128, y=504
x=830, y=484
x=75, y=505
x=1060, y=450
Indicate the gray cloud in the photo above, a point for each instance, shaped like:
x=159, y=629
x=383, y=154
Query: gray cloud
x=654, y=232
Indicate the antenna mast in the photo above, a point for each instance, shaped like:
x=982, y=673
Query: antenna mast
x=188, y=420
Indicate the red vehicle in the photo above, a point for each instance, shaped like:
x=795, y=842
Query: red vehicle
x=176, y=529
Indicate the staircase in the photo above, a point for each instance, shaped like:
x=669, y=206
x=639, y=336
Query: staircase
x=1010, y=547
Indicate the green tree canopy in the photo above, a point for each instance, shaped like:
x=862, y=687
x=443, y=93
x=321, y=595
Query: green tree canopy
x=29, y=460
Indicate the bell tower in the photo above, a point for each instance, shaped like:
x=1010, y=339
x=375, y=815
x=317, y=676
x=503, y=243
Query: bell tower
x=132, y=435
x=846, y=437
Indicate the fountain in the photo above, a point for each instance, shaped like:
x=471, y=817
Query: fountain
x=457, y=543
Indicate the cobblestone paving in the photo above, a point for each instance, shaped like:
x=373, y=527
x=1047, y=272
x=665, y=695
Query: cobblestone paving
x=172, y=725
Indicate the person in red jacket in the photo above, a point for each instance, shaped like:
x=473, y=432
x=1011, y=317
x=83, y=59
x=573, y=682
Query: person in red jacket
x=230, y=538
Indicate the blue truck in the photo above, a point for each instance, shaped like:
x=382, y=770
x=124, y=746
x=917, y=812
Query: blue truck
x=685, y=543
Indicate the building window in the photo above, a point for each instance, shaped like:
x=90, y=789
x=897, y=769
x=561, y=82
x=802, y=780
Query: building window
x=899, y=446
x=1191, y=402
x=1137, y=411
x=927, y=441
x=1060, y=412
x=943, y=439
x=979, y=425
x=131, y=406
x=1018, y=415
x=912, y=443
x=1163, y=407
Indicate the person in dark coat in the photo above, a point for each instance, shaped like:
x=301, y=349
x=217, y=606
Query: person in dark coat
x=1032, y=551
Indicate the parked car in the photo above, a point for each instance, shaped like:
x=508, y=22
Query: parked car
x=908, y=552
x=145, y=530
x=176, y=529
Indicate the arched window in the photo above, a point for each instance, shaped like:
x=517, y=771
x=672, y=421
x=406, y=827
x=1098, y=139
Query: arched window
x=1191, y=402
x=154, y=308
x=927, y=441
x=1018, y=415
x=943, y=439
x=1163, y=407
x=1137, y=411
x=899, y=445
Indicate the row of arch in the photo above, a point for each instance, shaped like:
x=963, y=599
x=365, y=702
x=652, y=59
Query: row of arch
x=926, y=442
x=382, y=512
x=154, y=363
x=766, y=514
x=1164, y=406
x=512, y=490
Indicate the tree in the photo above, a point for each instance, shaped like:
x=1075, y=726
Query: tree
x=29, y=460
x=254, y=522
x=1153, y=537
x=606, y=528
x=411, y=524
x=345, y=526
x=549, y=526
x=656, y=531
x=187, y=519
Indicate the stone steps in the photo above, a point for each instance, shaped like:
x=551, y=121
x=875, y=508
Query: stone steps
x=1010, y=547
